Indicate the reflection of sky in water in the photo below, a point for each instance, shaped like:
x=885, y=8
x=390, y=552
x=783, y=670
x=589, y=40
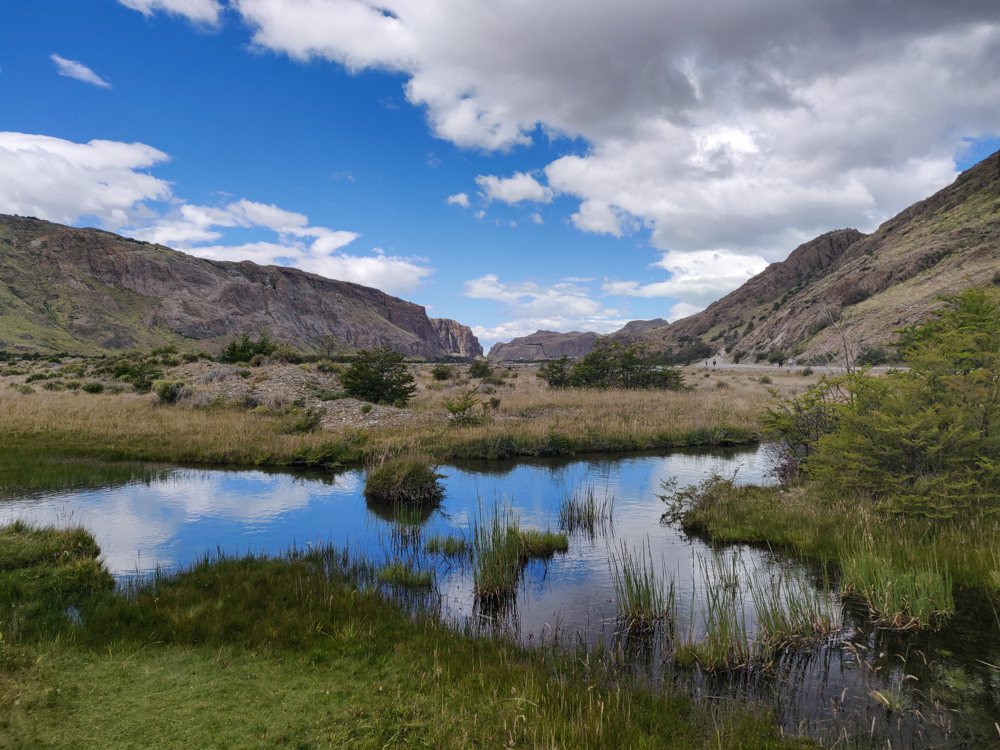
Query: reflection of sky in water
x=173, y=522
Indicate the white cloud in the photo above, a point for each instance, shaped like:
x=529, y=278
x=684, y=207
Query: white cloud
x=699, y=276
x=62, y=181
x=520, y=187
x=718, y=124
x=79, y=71
x=682, y=310
x=197, y=11
x=460, y=199
x=530, y=306
x=537, y=218
x=480, y=214
x=66, y=182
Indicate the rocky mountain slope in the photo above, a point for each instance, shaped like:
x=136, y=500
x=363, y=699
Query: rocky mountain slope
x=545, y=345
x=86, y=291
x=867, y=286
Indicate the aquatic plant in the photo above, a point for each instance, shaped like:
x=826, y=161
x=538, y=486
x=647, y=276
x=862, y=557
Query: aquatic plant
x=642, y=597
x=406, y=575
x=584, y=511
x=448, y=546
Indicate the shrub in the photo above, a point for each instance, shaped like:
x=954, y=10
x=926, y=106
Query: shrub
x=135, y=369
x=243, y=349
x=54, y=385
x=807, y=371
x=480, y=368
x=442, y=372
x=408, y=480
x=555, y=372
x=307, y=420
x=366, y=408
x=872, y=355
x=92, y=388
x=189, y=357
x=325, y=365
x=287, y=355
x=460, y=408
x=168, y=391
x=379, y=376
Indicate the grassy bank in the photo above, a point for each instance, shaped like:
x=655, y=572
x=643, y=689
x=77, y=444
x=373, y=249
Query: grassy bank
x=904, y=567
x=294, y=652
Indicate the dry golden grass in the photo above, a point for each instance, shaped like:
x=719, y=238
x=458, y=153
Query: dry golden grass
x=532, y=419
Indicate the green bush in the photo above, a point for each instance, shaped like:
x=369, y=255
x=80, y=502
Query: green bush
x=556, y=372
x=461, y=408
x=480, y=368
x=379, y=376
x=168, y=391
x=442, y=372
x=244, y=349
x=92, y=388
x=286, y=354
x=325, y=365
x=135, y=369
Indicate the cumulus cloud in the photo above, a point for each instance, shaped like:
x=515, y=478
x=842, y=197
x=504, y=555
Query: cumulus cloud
x=67, y=182
x=682, y=310
x=520, y=187
x=530, y=306
x=62, y=181
x=79, y=71
x=197, y=11
x=460, y=199
x=695, y=277
x=719, y=124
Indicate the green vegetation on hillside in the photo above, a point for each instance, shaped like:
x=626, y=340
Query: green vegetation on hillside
x=612, y=365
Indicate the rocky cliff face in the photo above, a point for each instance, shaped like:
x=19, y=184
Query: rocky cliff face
x=874, y=283
x=456, y=338
x=87, y=291
x=545, y=345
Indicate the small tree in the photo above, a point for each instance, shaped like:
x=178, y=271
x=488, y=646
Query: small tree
x=461, y=408
x=442, y=371
x=480, y=368
x=556, y=372
x=379, y=376
x=244, y=349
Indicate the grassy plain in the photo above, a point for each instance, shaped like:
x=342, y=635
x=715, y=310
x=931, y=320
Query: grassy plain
x=298, y=652
x=532, y=419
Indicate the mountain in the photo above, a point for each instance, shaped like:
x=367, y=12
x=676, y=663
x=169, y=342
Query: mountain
x=870, y=285
x=545, y=345
x=86, y=291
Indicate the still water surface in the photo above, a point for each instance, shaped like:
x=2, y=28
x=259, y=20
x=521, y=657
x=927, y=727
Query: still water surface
x=949, y=693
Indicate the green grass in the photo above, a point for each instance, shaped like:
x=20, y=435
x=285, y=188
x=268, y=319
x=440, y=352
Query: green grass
x=406, y=575
x=301, y=652
x=448, y=546
x=642, y=598
x=407, y=480
x=583, y=511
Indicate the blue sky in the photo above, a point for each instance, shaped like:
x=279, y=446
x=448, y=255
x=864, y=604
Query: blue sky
x=629, y=160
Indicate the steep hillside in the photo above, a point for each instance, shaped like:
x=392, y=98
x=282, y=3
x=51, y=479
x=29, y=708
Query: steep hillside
x=874, y=283
x=87, y=291
x=545, y=345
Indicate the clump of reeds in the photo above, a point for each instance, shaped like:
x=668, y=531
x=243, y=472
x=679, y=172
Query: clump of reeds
x=403, y=574
x=790, y=610
x=642, y=597
x=584, y=511
x=898, y=598
x=448, y=546
x=501, y=549
x=405, y=480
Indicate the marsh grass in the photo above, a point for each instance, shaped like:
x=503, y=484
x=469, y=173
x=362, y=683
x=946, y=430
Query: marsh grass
x=304, y=651
x=448, y=546
x=501, y=549
x=642, y=597
x=406, y=575
x=583, y=511
x=23, y=470
x=404, y=480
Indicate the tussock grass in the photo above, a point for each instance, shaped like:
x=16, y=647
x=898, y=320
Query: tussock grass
x=405, y=480
x=585, y=512
x=501, y=549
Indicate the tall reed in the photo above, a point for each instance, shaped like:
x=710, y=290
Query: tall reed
x=584, y=511
x=642, y=597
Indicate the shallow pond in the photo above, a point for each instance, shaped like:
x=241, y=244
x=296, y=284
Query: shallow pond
x=939, y=686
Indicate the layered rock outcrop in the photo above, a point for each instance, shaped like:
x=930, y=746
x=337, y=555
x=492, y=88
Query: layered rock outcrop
x=545, y=345
x=87, y=291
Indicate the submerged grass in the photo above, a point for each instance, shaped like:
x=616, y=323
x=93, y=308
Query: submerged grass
x=300, y=651
x=404, y=574
x=585, y=512
x=448, y=546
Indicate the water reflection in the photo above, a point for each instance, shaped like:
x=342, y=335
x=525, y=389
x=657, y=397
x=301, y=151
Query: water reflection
x=823, y=690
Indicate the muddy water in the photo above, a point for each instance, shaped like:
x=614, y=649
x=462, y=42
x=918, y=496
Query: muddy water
x=940, y=687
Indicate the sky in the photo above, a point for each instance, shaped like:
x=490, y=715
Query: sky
x=512, y=165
